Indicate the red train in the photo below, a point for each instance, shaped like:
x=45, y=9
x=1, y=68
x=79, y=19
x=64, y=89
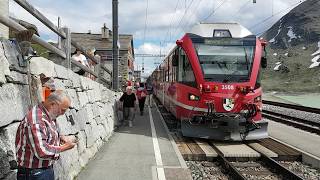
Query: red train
x=211, y=82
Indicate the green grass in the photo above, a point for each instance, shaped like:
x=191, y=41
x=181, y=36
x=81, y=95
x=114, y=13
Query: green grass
x=300, y=79
x=40, y=50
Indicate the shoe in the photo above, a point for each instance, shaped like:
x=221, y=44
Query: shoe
x=130, y=123
x=141, y=113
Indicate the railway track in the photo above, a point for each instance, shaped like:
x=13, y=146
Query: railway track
x=207, y=161
x=292, y=106
x=306, y=125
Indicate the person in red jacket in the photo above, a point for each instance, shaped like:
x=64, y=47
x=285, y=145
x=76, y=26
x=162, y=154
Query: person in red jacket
x=141, y=94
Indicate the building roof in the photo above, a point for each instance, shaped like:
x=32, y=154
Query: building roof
x=89, y=40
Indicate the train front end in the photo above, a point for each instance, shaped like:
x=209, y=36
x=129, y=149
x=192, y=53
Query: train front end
x=227, y=61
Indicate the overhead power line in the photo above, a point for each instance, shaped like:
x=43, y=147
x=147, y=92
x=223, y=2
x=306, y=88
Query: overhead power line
x=266, y=19
x=243, y=6
x=185, y=12
x=168, y=33
x=191, y=14
x=214, y=11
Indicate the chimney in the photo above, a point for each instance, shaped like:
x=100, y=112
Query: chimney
x=104, y=32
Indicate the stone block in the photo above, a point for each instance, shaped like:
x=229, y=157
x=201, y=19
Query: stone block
x=59, y=85
x=66, y=127
x=7, y=149
x=67, y=83
x=84, y=157
x=75, y=103
x=84, y=83
x=96, y=110
x=61, y=72
x=83, y=98
x=12, y=175
x=102, y=131
x=17, y=78
x=14, y=101
x=4, y=163
x=91, y=96
x=92, y=133
x=89, y=111
x=82, y=141
x=68, y=160
x=12, y=54
x=75, y=78
x=7, y=139
x=80, y=118
x=83, y=117
x=99, y=120
x=4, y=68
x=40, y=65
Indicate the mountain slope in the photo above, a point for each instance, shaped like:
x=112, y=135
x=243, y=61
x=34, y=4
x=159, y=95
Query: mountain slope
x=300, y=26
x=294, y=51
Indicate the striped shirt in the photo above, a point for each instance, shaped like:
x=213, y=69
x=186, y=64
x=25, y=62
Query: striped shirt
x=37, y=139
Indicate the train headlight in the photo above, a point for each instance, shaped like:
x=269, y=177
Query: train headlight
x=207, y=88
x=258, y=99
x=193, y=97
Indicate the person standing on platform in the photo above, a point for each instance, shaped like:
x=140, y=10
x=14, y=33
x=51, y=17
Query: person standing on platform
x=129, y=105
x=38, y=142
x=141, y=94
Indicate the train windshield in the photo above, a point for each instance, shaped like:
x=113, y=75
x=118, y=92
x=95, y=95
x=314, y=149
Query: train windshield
x=225, y=63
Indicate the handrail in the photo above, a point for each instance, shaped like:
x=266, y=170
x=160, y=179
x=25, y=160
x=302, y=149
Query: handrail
x=11, y=23
x=28, y=7
x=66, y=55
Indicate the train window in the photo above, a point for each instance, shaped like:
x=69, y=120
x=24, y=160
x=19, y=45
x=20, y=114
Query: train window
x=185, y=71
x=221, y=33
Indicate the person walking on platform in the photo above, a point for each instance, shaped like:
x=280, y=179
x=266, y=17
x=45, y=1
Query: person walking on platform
x=129, y=105
x=141, y=94
x=38, y=142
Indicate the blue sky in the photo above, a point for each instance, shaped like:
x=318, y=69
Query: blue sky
x=166, y=21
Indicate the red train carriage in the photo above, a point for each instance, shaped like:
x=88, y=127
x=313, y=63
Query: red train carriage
x=211, y=82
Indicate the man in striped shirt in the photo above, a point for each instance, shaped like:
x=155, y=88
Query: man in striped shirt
x=38, y=142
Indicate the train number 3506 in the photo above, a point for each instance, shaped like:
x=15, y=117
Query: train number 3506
x=227, y=87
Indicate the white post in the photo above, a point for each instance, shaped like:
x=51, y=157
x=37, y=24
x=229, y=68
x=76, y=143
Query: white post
x=4, y=10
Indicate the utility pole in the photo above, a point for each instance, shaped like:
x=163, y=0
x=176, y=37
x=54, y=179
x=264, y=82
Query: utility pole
x=115, y=49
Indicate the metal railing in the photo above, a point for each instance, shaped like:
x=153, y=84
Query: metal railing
x=66, y=41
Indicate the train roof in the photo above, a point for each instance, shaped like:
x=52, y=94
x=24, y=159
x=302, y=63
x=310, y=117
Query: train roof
x=207, y=29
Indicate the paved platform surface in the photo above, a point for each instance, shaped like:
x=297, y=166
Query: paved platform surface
x=300, y=139
x=136, y=153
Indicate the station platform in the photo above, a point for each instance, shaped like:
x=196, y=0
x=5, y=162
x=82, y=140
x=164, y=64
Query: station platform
x=306, y=141
x=144, y=151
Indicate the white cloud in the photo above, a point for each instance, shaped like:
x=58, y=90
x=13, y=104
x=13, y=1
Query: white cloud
x=162, y=22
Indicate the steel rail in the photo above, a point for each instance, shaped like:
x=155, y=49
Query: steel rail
x=299, y=125
x=296, y=119
x=292, y=106
x=286, y=173
x=227, y=165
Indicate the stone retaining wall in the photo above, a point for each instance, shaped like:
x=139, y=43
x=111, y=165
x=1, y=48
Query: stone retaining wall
x=92, y=111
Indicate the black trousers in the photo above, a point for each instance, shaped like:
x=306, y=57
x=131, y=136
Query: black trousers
x=141, y=103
